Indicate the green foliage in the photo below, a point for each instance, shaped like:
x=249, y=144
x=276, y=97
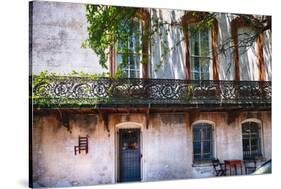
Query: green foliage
x=88, y=75
x=106, y=26
x=188, y=94
x=109, y=25
x=119, y=72
x=42, y=99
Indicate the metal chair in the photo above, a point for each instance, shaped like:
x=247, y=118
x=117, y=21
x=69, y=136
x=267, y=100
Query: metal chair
x=218, y=167
x=250, y=166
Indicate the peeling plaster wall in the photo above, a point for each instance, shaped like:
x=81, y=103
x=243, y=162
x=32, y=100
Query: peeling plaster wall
x=166, y=146
x=54, y=161
x=57, y=32
x=167, y=152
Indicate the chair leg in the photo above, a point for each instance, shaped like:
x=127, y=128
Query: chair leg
x=75, y=150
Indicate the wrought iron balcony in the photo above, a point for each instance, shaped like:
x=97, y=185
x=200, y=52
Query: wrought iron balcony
x=81, y=91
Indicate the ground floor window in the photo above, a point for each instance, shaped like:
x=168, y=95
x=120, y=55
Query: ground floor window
x=202, y=142
x=251, y=140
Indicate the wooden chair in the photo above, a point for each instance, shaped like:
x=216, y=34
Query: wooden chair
x=250, y=166
x=82, y=145
x=218, y=167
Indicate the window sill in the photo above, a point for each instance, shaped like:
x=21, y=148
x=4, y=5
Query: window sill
x=257, y=158
x=202, y=164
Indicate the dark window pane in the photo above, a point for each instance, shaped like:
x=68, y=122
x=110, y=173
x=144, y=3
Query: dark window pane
x=202, y=141
x=204, y=42
x=197, y=157
x=206, y=147
x=196, y=66
x=207, y=156
x=254, y=142
x=196, y=134
x=194, y=41
x=196, y=147
x=246, y=145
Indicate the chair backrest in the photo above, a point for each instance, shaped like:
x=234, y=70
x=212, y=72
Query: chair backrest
x=216, y=163
x=218, y=167
x=83, y=141
x=250, y=165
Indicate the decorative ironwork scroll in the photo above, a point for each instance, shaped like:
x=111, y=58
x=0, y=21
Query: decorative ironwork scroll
x=84, y=91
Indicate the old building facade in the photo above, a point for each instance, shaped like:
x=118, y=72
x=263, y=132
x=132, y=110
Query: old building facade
x=160, y=122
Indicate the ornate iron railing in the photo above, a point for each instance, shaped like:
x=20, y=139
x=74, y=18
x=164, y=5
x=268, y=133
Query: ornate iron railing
x=81, y=91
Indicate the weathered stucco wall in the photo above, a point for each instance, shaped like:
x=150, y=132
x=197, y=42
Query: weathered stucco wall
x=167, y=152
x=57, y=32
x=53, y=156
x=166, y=146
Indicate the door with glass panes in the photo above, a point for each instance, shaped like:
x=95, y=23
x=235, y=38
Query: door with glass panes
x=129, y=155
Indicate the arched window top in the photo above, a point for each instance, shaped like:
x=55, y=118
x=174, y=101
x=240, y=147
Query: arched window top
x=250, y=126
x=240, y=22
x=207, y=122
x=129, y=124
x=192, y=17
x=251, y=120
x=202, y=125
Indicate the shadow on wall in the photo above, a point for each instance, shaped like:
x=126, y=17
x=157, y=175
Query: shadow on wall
x=224, y=39
x=267, y=56
x=173, y=64
x=248, y=57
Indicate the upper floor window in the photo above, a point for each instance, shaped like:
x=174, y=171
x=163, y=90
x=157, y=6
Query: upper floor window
x=251, y=140
x=200, y=56
x=202, y=142
x=201, y=46
x=248, y=48
x=128, y=52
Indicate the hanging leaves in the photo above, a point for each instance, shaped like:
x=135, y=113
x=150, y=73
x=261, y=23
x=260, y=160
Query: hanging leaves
x=106, y=26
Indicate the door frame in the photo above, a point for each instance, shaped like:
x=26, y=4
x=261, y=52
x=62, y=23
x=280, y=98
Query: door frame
x=127, y=125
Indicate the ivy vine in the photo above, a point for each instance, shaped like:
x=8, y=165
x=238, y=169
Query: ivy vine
x=108, y=25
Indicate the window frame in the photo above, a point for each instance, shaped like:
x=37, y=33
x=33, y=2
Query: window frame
x=259, y=142
x=190, y=18
x=212, y=143
x=143, y=16
x=192, y=73
x=130, y=55
x=235, y=25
